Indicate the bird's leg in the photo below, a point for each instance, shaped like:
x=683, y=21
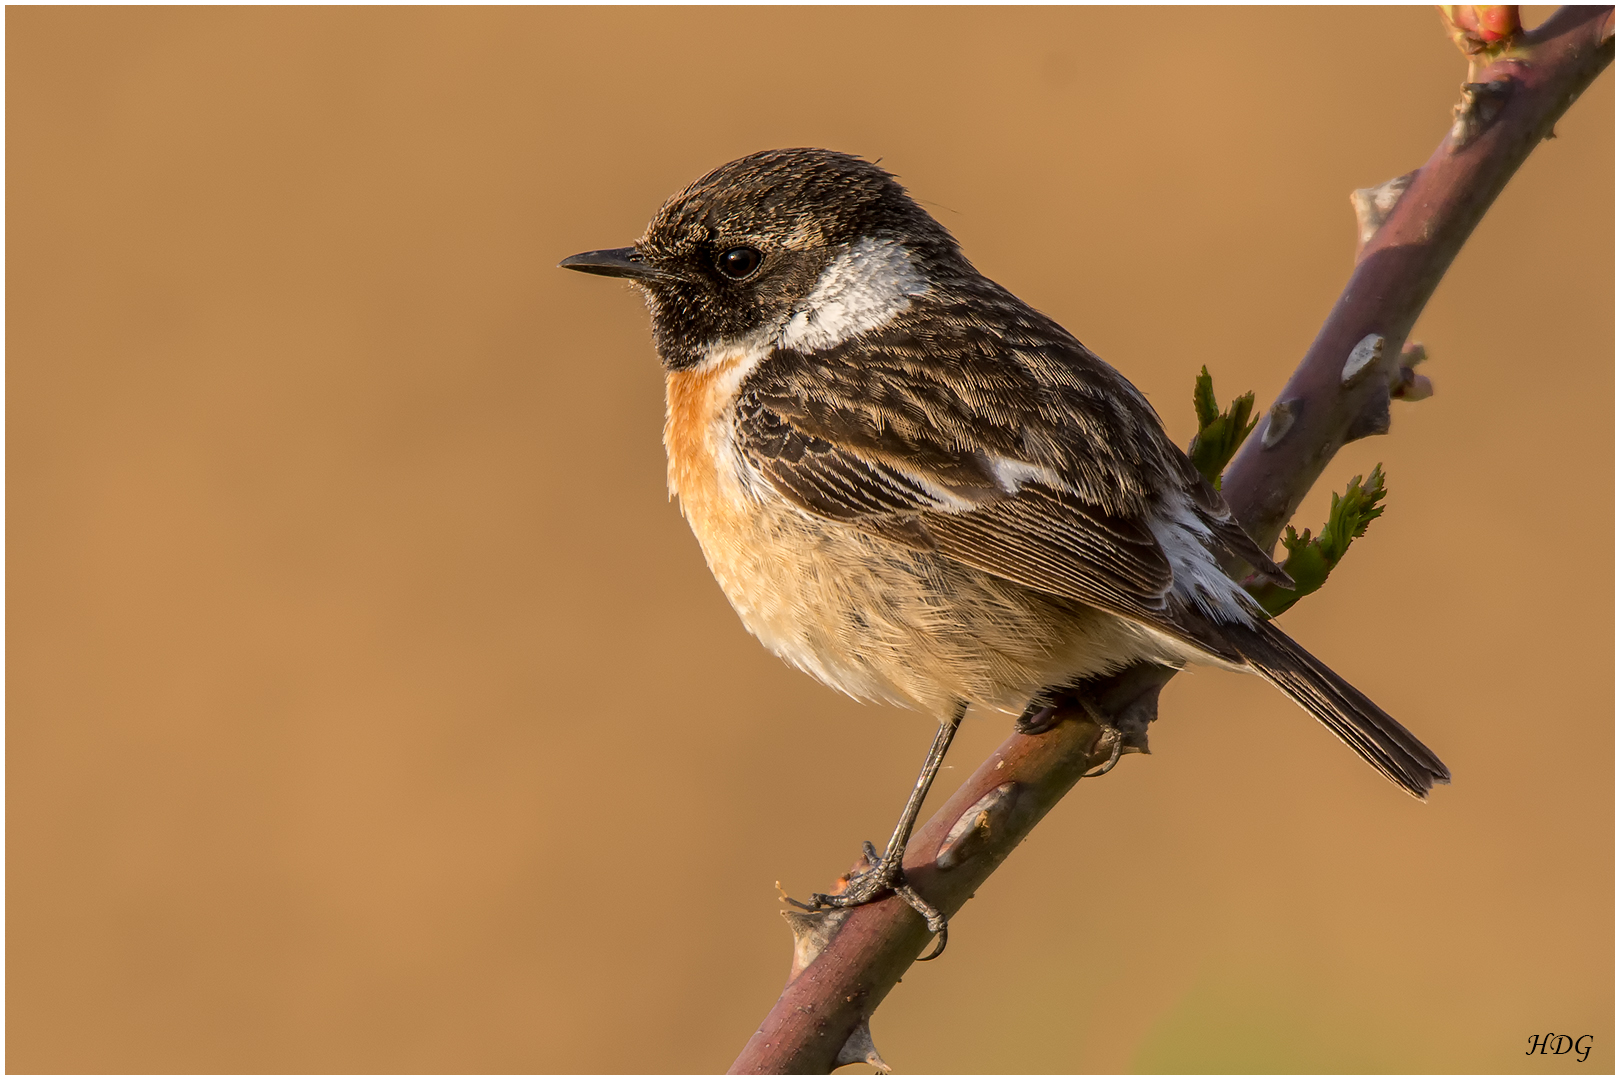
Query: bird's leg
x=885, y=874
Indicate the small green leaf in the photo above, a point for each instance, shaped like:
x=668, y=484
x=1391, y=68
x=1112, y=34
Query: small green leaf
x=1352, y=512
x=1219, y=434
x=1204, y=399
x=1310, y=560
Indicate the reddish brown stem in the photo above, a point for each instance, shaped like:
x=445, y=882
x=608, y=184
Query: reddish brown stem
x=848, y=961
x=1398, y=268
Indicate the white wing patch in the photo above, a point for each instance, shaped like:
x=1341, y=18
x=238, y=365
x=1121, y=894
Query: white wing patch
x=863, y=288
x=944, y=500
x=1012, y=474
x=1198, y=577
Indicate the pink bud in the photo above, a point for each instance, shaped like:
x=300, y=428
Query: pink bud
x=1479, y=26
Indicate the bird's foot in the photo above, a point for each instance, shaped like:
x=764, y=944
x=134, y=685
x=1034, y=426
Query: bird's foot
x=1041, y=717
x=881, y=877
x=1048, y=710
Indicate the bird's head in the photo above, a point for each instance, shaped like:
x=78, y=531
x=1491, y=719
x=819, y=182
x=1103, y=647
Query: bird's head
x=801, y=248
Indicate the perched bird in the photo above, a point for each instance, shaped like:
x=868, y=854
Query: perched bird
x=920, y=490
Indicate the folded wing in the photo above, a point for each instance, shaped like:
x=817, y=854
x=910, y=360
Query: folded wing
x=1042, y=469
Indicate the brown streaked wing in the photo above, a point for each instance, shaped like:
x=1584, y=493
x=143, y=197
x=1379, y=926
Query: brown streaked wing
x=901, y=430
x=1050, y=541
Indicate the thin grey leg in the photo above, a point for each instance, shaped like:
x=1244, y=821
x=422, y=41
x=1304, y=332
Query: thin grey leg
x=886, y=874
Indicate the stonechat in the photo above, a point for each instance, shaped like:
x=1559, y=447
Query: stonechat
x=919, y=489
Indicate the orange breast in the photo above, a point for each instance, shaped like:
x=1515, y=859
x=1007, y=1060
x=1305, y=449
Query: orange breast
x=695, y=401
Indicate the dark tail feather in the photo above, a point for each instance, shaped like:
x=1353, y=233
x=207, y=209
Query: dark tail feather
x=1347, y=712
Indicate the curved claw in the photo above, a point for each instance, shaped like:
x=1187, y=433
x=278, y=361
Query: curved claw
x=944, y=936
x=1113, y=758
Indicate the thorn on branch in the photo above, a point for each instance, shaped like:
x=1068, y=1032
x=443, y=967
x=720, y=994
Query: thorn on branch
x=1366, y=356
x=858, y=1048
x=1310, y=560
x=812, y=932
x=1279, y=420
x=1481, y=104
x=1373, y=206
x=1219, y=433
x=977, y=827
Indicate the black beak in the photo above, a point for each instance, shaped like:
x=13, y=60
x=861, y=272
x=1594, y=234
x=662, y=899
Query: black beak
x=614, y=262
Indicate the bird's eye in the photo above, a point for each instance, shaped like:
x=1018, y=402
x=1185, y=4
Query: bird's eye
x=739, y=262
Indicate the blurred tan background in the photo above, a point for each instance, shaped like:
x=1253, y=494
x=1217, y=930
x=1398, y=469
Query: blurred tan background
x=370, y=708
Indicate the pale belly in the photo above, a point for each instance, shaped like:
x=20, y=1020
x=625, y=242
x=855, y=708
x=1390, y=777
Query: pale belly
x=872, y=618
x=884, y=623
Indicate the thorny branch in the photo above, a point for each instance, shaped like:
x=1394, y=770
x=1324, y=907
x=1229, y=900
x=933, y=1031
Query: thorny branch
x=1411, y=228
